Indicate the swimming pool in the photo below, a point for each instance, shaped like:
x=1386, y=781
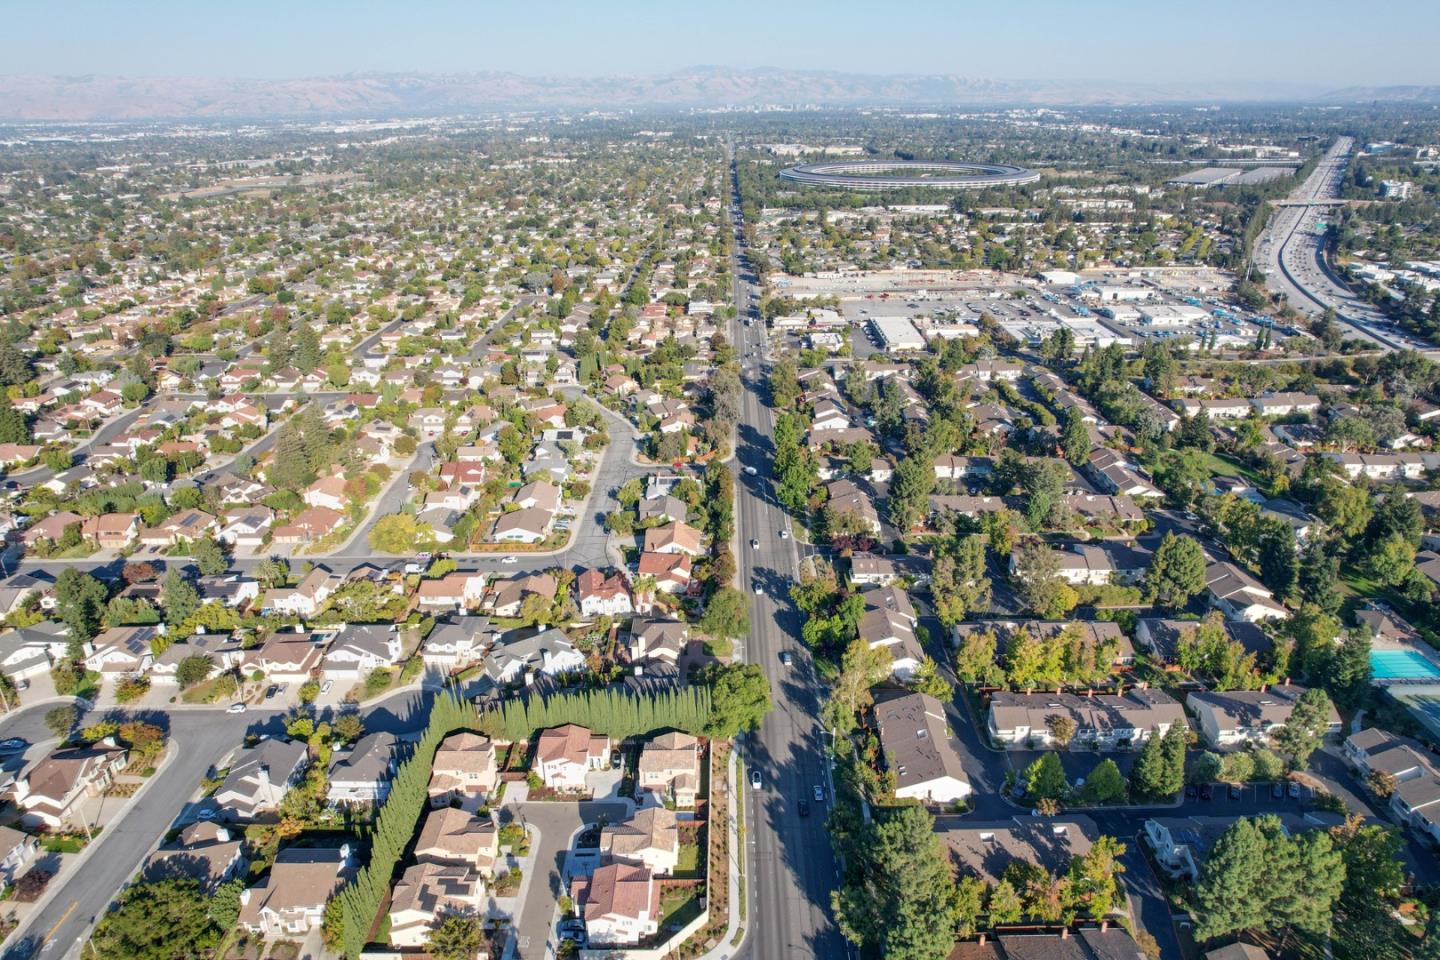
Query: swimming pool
x=1401, y=665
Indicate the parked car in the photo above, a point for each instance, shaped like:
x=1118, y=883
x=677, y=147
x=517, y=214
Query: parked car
x=271, y=691
x=1236, y=791
x=1191, y=791
x=237, y=708
x=819, y=793
x=616, y=760
x=1277, y=791
x=13, y=745
x=326, y=686
x=755, y=779
x=1294, y=790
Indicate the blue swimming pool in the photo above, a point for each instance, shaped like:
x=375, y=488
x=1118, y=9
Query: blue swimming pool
x=1401, y=665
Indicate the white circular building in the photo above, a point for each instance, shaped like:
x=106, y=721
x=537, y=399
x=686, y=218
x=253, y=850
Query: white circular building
x=906, y=174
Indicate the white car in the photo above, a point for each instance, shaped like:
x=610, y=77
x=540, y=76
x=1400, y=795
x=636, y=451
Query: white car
x=759, y=590
x=784, y=534
x=237, y=708
x=510, y=560
x=751, y=471
x=754, y=544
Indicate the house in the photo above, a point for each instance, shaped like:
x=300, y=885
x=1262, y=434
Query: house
x=111, y=531
x=1182, y=844
x=464, y=769
x=50, y=791
x=984, y=849
x=455, y=591
x=670, y=571
x=1102, y=721
x=506, y=596
x=457, y=642
x=548, y=652
x=661, y=641
x=123, y=650
x=17, y=850
x=291, y=898
x=259, y=778
x=204, y=851
x=314, y=523
x=619, y=902
x=1240, y=596
x=287, y=657
x=598, y=595
x=666, y=509
x=232, y=589
x=1096, y=564
x=18, y=590
x=844, y=497
x=360, y=649
x=221, y=649
x=919, y=750
x=677, y=537
x=327, y=492
x=866, y=570
x=527, y=525
x=305, y=598
x=188, y=524
x=246, y=527
x=670, y=767
x=1375, y=749
x=1239, y=717
x=425, y=894
x=651, y=837
x=51, y=528
x=563, y=755
x=29, y=652
x=459, y=837
x=895, y=632
x=362, y=774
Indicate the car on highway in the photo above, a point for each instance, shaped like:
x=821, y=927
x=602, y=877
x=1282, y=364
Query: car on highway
x=754, y=544
x=784, y=534
x=759, y=590
x=510, y=560
x=819, y=793
x=804, y=807
x=237, y=708
x=751, y=471
x=755, y=779
x=785, y=658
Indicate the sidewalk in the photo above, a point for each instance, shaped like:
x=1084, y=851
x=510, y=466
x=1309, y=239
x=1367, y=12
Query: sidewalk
x=733, y=939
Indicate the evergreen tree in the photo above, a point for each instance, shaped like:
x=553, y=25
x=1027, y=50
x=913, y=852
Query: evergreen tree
x=14, y=425
x=1176, y=573
x=1150, y=775
x=1074, y=438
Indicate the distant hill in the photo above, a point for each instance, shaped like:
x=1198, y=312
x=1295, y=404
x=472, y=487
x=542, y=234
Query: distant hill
x=91, y=98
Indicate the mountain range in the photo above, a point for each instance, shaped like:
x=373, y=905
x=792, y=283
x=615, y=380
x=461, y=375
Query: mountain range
x=111, y=98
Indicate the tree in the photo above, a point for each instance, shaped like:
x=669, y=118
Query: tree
x=958, y=582
x=1177, y=572
x=861, y=668
x=1382, y=783
x=1106, y=784
x=913, y=482
x=1074, y=438
x=209, y=556
x=399, y=533
x=80, y=603
x=1005, y=906
x=1348, y=673
x=1062, y=729
x=178, y=597
x=1303, y=733
x=161, y=920
x=193, y=669
x=14, y=426
x=457, y=937
x=897, y=898
x=1233, y=887
x=1391, y=560
x=739, y=698
x=1045, y=778
x=927, y=680
x=1093, y=885
x=1039, y=584
x=1150, y=775
x=1320, y=577
x=726, y=614
x=975, y=660
x=1279, y=566
x=61, y=720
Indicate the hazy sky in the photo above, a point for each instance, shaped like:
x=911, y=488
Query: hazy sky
x=1325, y=42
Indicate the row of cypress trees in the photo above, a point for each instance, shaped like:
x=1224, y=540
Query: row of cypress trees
x=394, y=825
x=612, y=711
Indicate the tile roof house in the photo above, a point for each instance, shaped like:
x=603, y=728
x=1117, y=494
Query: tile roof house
x=49, y=792
x=204, y=851
x=670, y=767
x=464, y=768
x=671, y=571
x=292, y=897
x=428, y=892
x=563, y=755
x=506, y=595
x=650, y=837
x=362, y=774
x=1103, y=721
x=919, y=749
x=599, y=595
x=259, y=778
x=619, y=902
x=459, y=837
x=1240, y=717
x=677, y=537
x=359, y=649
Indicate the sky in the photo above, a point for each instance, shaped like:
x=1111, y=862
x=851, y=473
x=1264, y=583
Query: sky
x=1328, y=43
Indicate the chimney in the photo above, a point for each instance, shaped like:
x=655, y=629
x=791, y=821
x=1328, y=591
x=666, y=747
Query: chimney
x=1065, y=933
x=982, y=934
x=1264, y=687
x=1104, y=925
x=1287, y=681
x=263, y=774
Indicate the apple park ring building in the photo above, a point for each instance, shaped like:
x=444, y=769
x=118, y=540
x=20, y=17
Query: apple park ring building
x=902, y=174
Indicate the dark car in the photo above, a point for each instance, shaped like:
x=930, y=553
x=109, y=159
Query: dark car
x=1294, y=790
x=1277, y=791
x=13, y=745
x=1236, y=791
x=1206, y=791
x=615, y=760
x=1191, y=791
x=804, y=807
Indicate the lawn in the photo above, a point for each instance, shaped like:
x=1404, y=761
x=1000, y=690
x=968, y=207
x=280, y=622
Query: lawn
x=1223, y=466
x=689, y=864
x=678, y=906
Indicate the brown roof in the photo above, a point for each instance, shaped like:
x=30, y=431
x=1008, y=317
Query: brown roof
x=619, y=889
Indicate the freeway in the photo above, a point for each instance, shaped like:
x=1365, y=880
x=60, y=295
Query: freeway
x=791, y=869
x=1292, y=251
